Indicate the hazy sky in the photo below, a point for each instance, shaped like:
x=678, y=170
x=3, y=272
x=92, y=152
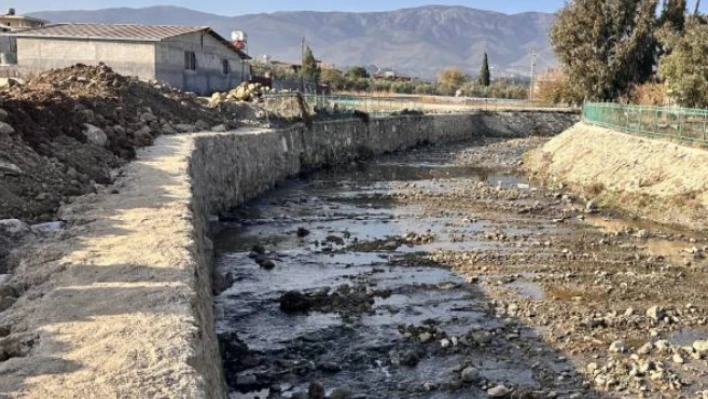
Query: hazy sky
x=236, y=7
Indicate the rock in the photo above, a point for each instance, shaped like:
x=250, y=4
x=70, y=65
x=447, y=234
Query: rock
x=618, y=347
x=4, y=115
x=499, y=391
x=201, y=126
x=629, y=312
x=94, y=135
x=445, y=343
x=13, y=228
x=88, y=115
x=316, y=390
x=7, y=168
x=329, y=367
x=425, y=337
x=7, y=291
x=259, y=249
x=6, y=303
x=678, y=359
x=294, y=301
x=470, y=374
x=168, y=130
x=219, y=128
x=645, y=349
x=701, y=347
x=656, y=313
x=143, y=137
x=246, y=381
x=410, y=358
x=5, y=278
x=268, y=264
x=342, y=392
x=6, y=129
x=302, y=232
x=185, y=128
x=148, y=117
x=662, y=344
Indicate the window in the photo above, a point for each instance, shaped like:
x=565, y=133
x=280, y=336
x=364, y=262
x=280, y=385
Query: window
x=225, y=67
x=190, y=61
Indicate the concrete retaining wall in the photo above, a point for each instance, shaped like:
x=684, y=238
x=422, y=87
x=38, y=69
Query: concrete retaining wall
x=229, y=169
x=120, y=305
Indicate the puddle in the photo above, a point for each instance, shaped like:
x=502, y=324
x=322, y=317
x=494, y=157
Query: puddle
x=687, y=337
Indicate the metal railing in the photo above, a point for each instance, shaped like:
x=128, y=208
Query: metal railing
x=379, y=105
x=685, y=125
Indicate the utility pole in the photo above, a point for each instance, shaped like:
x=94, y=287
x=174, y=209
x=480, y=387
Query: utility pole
x=533, y=73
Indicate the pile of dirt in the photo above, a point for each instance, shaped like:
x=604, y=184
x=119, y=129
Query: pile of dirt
x=64, y=131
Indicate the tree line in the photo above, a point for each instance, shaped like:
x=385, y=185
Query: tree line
x=624, y=49
x=450, y=81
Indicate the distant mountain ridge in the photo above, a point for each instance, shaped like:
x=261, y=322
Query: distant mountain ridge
x=417, y=41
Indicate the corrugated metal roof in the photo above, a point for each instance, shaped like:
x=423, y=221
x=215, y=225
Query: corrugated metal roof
x=121, y=32
x=110, y=31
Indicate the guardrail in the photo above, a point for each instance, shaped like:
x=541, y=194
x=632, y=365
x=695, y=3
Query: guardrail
x=685, y=125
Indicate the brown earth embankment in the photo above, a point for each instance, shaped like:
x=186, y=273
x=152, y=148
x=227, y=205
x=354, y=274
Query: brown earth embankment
x=653, y=179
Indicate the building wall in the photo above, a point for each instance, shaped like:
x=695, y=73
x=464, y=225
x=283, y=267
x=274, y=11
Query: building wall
x=19, y=22
x=208, y=77
x=127, y=58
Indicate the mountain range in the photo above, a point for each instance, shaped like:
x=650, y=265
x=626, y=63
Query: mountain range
x=416, y=41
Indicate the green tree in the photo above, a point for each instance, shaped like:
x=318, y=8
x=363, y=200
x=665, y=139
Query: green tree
x=673, y=15
x=606, y=45
x=450, y=79
x=333, y=78
x=356, y=73
x=684, y=69
x=310, y=69
x=485, y=78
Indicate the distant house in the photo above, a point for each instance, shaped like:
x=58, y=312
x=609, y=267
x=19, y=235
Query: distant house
x=192, y=58
x=13, y=22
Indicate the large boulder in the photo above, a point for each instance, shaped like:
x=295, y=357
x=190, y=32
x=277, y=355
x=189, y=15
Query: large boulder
x=143, y=137
x=6, y=129
x=95, y=135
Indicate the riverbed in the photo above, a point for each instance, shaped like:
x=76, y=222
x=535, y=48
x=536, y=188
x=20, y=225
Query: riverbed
x=444, y=272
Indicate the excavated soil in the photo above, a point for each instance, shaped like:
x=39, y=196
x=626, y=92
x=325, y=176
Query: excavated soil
x=47, y=160
x=445, y=273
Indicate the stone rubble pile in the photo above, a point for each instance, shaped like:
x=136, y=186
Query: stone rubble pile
x=244, y=92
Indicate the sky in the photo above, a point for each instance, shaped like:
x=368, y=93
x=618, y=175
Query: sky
x=238, y=7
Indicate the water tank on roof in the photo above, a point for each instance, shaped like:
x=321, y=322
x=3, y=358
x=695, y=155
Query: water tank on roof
x=239, y=39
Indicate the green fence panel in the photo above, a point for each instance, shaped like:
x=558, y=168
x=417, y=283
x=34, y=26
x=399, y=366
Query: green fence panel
x=684, y=125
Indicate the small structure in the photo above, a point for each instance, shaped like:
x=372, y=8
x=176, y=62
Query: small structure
x=191, y=58
x=13, y=22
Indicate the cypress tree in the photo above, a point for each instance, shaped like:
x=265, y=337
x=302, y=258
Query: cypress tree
x=485, y=78
x=310, y=70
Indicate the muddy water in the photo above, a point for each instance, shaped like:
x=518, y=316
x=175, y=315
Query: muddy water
x=382, y=317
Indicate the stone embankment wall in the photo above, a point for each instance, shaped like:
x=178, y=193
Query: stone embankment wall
x=229, y=169
x=650, y=178
x=120, y=304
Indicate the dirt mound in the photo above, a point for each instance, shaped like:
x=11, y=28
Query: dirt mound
x=63, y=131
